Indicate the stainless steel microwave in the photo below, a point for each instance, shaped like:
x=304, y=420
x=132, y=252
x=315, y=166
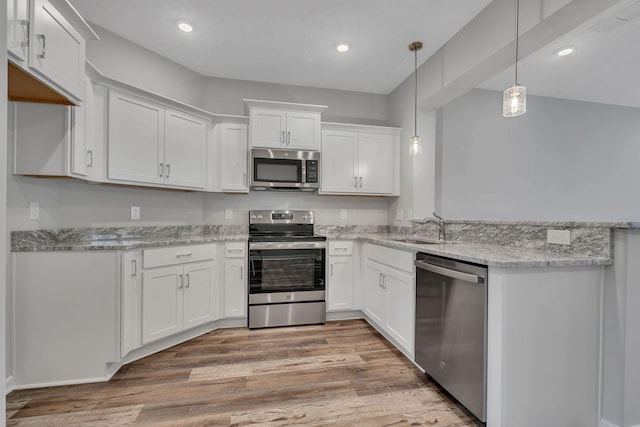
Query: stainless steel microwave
x=285, y=169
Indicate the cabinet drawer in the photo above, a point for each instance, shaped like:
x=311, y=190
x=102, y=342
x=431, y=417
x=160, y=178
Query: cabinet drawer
x=235, y=249
x=395, y=258
x=340, y=248
x=177, y=255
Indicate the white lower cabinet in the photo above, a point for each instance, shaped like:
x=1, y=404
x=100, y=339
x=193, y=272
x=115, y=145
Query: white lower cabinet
x=340, y=286
x=235, y=279
x=181, y=296
x=389, y=289
x=130, y=306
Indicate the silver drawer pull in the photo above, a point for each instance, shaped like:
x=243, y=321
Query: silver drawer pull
x=186, y=254
x=187, y=277
x=341, y=249
x=181, y=279
x=235, y=251
x=134, y=268
x=44, y=45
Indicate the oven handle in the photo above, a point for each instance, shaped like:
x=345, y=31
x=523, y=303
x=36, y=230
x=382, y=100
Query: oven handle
x=287, y=245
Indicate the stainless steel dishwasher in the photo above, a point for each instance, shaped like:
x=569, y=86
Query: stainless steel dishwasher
x=451, y=327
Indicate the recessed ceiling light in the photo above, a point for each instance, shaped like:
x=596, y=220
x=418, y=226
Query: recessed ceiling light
x=564, y=51
x=185, y=26
x=343, y=47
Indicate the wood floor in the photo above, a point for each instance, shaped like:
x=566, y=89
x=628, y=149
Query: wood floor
x=342, y=373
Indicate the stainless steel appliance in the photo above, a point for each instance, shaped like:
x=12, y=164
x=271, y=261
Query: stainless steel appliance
x=451, y=327
x=285, y=170
x=286, y=270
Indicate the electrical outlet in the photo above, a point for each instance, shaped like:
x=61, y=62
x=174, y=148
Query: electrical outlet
x=135, y=213
x=559, y=237
x=228, y=214
x=34, y=210
x=399, y=215
x=343, y=214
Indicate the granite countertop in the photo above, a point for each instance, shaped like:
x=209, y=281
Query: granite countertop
x=120, y=239
x=479, y=253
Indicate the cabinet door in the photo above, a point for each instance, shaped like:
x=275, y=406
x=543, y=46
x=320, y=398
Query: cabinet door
x=375, y=304
x=136, y=139
x=377, y=164
x=233, y=158
x=161, y=303
x=303, y=131
x=131, y=318
x=18, y=29
x=400, y=300
x=235, y=288
x=340, y=283
x=198, y=290
x=185, y=150
x=81, y=139
x=268, y=128
x=56, y=50
x=339, y=162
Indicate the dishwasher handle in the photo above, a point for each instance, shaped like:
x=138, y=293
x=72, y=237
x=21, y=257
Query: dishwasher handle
x=449, y=273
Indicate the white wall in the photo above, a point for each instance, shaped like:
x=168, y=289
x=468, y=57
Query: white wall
x=3, y=216
x=562, y=160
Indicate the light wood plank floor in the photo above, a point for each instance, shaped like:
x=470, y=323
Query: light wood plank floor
x=342, y=373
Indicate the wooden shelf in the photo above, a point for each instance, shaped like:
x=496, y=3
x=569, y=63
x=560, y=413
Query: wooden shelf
x=26, y=88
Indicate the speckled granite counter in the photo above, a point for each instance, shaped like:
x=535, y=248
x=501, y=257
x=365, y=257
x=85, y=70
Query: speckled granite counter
x=504, y=244
x=87, y=239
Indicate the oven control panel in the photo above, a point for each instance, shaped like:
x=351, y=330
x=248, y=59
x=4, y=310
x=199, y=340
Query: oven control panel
x=280, y=217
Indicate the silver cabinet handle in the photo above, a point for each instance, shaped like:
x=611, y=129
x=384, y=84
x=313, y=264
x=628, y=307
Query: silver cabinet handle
x=355, y=181
x=161, y=169
x=234, y=251
x=288, y=137
x=244, y=178
x=168, y=168
x=282, y=140
x=181, y=281
x=44, y=45
x=187, y=277
x=241, y=272
x=340, y=249
x=185, y=254
x=380, y=280
x=384, y=281
x=24, y=23
x=90, y=158
x=360, y=182
x=134, y=268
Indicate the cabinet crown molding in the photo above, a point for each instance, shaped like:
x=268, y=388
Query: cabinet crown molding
x=277, y=105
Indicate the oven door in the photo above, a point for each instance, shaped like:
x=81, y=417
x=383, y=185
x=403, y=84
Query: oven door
x=286, y=272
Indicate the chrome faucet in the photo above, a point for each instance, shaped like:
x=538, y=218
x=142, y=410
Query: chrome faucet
x=439, y=221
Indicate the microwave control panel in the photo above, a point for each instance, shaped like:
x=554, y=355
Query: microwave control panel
x=312, y=171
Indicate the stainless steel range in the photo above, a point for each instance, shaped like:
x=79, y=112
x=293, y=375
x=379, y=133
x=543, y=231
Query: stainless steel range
x=286, y=270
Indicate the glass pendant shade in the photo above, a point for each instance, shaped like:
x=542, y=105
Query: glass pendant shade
x=514, y=101
x=415, y=146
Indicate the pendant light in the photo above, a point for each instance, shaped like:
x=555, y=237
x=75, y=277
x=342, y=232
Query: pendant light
x=415, y=144
x=514, y=99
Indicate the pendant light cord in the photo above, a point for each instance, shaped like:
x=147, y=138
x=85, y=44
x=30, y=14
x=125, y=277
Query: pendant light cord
x=415, y=93
x=516, y=50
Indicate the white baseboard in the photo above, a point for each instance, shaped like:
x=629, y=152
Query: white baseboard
x=8, y=385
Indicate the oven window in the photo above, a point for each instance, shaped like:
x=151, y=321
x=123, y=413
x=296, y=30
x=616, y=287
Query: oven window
x=279, y=270
x=277, y=170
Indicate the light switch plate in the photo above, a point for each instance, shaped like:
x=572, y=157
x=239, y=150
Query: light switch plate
x=399, y=215
x=559, y=237
x=34, y=210
x=409, y=214
x=135, y=213
x=228, y=214
x=343, y=214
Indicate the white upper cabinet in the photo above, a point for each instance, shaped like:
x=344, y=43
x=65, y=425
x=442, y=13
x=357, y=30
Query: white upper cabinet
x=284, y=125
x=360, y=160
x=136, y=139
x=57, y=50
x=18, y=29
x=233, y=157
x=150, y=144
x=185, y=150
x=46, y=45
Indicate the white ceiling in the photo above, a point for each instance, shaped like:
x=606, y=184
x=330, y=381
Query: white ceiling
x=605, y=67
x=289, y=41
